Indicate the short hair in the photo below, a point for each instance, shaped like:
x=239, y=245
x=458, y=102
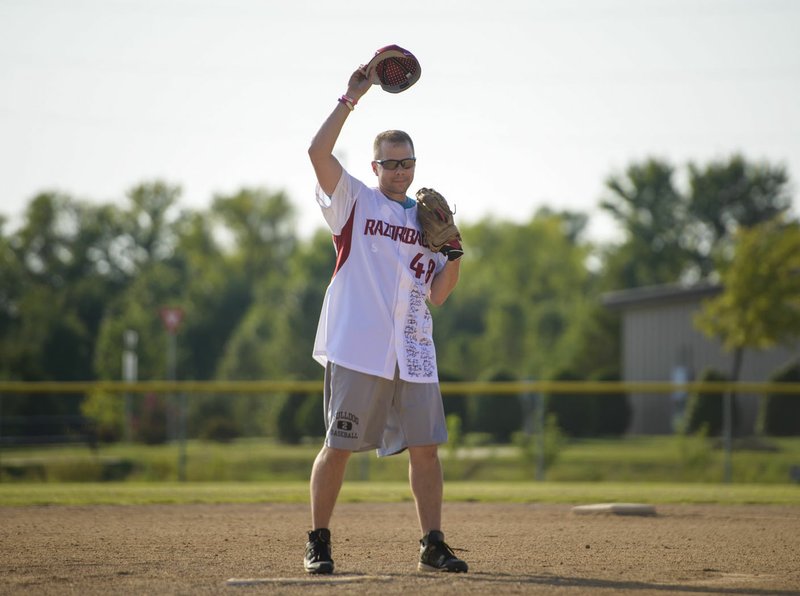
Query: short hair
x=391, y=136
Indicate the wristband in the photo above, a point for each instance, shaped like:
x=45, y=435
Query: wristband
x=348, y=101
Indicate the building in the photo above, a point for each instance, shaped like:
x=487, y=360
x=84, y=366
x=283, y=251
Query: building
x=660, y=343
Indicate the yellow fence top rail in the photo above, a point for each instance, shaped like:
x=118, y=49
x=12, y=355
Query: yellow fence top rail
x=496, y=387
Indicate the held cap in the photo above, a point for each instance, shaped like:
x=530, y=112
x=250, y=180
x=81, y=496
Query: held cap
x=396, y=68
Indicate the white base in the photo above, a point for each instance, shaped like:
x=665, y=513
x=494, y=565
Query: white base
x=616, y=509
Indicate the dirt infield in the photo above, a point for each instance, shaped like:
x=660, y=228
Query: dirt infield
x=511, y=549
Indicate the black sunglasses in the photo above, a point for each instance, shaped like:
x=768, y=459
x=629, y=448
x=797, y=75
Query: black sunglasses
x=393, y=164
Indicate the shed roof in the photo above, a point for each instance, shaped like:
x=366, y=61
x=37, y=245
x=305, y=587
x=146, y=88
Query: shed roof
x=655, y=295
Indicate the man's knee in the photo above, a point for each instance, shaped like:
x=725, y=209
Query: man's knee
x=333, y=455
x=423, y=454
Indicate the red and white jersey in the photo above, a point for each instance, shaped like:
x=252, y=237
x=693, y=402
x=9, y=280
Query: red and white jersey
x=374, y=316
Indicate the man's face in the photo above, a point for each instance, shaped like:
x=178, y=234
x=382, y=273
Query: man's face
x=394, y=183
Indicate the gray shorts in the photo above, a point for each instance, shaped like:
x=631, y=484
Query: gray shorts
x=365, y=412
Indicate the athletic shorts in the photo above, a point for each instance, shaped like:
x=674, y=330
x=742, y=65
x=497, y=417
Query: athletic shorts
x=364, y=412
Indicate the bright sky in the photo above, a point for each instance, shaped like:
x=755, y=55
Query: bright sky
x=521, y=104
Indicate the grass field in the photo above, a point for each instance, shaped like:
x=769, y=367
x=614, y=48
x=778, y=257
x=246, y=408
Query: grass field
x=128, y=493
x=634, y=459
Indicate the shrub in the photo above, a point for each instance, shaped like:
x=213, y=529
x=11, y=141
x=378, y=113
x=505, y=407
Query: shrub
x=694, y=450
x=612, y=411
x=496, y=414
x=455, y=436
x=779, y=413
x=705, y=408
x=576, y=412
x=152, y=424
x=286, y=419
x=455, y=403
x=551, y=443
x=106, y=412
x=219, y=428
x=309, y=418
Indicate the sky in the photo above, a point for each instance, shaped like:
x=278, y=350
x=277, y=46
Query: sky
x=521, y=104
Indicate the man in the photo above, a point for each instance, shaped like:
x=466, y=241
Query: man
x=375, y=335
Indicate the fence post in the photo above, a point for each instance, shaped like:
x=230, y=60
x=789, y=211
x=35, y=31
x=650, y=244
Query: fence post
x=1, y=437
x=182, y=415
x=539, y=409
x=727, y=435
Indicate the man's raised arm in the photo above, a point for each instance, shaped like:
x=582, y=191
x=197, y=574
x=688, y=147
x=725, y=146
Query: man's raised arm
x=326, y=166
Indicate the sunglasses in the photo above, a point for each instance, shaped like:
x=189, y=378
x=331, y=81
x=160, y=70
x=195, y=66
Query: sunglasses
x=393, y=164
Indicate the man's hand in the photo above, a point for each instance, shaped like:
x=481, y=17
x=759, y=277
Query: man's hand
x=359, y=83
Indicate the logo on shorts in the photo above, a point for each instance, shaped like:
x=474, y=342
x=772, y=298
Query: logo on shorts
x=344, y=423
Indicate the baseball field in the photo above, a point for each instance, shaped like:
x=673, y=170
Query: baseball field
x=518, y=538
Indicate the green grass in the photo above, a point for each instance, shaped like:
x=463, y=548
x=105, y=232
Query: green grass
x=662, y=459
x=128, y=493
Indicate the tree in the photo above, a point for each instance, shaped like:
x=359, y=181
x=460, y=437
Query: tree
x=670, y=234
x=727, y=195
x=653, y=214
x=522, y=298
x=149, y=230
x=12, y=280
x=760, y=302
x=759, y=306
x=262, y=225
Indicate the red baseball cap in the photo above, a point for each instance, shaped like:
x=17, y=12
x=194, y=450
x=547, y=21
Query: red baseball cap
x=396, y=68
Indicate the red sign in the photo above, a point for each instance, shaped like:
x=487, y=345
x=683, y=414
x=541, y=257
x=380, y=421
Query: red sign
x=171, y=316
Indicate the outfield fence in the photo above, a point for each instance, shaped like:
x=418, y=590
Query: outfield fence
x=530, y=390
x=465, y=387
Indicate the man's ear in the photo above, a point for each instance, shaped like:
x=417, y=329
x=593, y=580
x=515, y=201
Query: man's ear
x=375, y=167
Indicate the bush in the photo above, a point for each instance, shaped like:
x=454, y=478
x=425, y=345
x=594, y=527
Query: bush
x=286, y=419
x=575, y=412
x=106, y=413
x=704, y=409
x=310, y=417
x=220, y=429
x=455, y=435
x=496, y=414
x=455, y=403
x=694, y=450
x=612, y=411
x=152, y=425
x=551, y=444
x=779, y=413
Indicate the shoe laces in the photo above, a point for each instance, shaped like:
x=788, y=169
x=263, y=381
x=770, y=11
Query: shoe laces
x=441, y=549
x=319, y=548
x=444, y=547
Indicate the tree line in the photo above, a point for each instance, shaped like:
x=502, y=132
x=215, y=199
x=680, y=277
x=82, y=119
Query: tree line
x=76, y=275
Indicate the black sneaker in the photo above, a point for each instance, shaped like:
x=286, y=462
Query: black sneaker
x=318, y=552
x=435, y=555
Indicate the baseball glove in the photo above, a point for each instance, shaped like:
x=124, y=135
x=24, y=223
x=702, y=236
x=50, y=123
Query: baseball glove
x=439, y=232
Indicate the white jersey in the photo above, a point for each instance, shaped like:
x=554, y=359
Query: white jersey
x=374, y=316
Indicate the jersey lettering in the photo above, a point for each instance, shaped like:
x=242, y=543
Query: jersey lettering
x=374, y=227
x=419, y=269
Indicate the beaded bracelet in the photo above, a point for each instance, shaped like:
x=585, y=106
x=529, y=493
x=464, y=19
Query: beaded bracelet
x=348, y=101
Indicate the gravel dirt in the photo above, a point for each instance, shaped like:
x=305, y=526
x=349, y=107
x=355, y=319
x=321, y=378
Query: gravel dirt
x=511, y=549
